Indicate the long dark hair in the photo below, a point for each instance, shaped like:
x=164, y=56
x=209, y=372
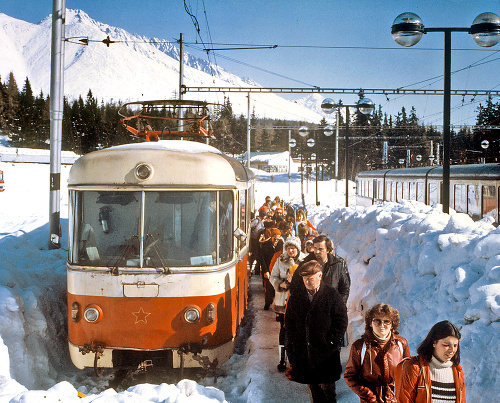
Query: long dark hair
x=439, y=331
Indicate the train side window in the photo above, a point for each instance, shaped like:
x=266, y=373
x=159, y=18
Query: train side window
x=459, y=197
x=225, y=226
x=399, y=191
x=413, y=191
x=420, y=191
x=433, y=193
x=474, y=201
x=489, y=199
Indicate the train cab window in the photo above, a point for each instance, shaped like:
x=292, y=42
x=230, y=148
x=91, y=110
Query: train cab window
x=152, y=229
x=489, y=208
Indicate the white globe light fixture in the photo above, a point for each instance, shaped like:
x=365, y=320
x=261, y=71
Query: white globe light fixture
x=328, y=106
x=328, y=130
x=365, y=106
x=485, y=29
x=310, y=142
x=303, y=131
x=292, y=143
x=485, y=144
x=407, y=29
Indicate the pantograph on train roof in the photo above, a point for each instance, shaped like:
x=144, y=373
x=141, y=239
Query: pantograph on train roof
x=167, y=119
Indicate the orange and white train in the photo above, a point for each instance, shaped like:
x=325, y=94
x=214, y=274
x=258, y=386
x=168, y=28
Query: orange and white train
x=157, y=268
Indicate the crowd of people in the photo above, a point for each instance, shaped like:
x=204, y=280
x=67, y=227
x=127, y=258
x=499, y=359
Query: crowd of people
x=307, y=285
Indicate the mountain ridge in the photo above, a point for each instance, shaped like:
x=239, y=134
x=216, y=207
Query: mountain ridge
x=134, y=68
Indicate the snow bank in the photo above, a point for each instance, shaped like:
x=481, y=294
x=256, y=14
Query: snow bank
x=431, y=267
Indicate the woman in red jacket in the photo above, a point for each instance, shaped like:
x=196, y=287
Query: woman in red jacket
x=435, y=375
x=373, y=359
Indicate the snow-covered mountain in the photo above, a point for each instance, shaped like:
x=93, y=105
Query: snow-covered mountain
x=133, y=68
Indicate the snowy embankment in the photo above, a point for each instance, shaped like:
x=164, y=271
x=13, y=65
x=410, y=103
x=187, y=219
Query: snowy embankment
x=431, y=267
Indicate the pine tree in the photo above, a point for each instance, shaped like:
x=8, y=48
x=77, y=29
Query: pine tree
x=11, y=102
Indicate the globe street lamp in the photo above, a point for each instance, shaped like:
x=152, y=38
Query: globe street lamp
x=365, y=106
x=408, y=29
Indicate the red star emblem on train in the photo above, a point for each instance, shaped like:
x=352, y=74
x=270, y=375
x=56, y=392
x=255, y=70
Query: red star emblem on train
x=141, y=316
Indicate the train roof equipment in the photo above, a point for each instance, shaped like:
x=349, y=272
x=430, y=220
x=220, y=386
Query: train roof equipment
x=167, y=119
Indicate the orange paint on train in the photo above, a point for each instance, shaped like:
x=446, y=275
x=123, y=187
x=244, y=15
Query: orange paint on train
x=153, y=323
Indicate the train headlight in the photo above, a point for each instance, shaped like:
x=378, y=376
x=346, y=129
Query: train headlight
x=92, y=314
x=192, y=315
x=75, y=311
x=143, y=171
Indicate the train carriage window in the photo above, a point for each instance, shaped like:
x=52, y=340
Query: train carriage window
x=474, y=201
x=433, y=193
x=225, y=226
x=420, y=192
x=413, y=190
x=489, y=208
x=242, y=201
x=460, y=198
x=399, y=191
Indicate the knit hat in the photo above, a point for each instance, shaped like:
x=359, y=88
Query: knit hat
x=292, y=241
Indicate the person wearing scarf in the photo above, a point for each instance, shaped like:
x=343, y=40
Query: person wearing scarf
x=370, y=370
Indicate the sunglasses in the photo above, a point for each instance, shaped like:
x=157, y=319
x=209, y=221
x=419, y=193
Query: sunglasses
x=378, y=322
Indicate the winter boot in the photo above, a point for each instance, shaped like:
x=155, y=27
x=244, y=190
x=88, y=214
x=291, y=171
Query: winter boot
x=282, y=364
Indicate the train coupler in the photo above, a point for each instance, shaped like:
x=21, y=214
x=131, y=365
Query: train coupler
x=143, y=366
x=98, y=350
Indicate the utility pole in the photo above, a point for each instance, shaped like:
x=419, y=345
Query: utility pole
x=56, y=117
x=181, y=79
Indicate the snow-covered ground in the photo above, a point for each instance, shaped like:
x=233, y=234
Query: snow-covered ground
x=429, y=265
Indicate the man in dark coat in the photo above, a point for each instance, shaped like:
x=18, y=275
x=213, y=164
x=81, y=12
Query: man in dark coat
x=334, y=268
x=315, y=322
x=256, y=230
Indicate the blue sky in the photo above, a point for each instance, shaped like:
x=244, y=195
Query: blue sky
x=371, y=60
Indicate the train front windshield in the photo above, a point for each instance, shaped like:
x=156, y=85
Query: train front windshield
x=151, y=228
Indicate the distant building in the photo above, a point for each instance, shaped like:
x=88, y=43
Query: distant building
x=270, y=162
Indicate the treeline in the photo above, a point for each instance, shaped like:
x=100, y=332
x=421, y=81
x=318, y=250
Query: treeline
x=89, y=125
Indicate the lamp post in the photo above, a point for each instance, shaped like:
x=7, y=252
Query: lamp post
x=291, y=143
x=407, y=30
x=365, y=106
x=484, y=145
x=303, y=132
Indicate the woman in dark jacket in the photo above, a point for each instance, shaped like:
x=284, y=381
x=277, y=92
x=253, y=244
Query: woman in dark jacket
x=373, y=359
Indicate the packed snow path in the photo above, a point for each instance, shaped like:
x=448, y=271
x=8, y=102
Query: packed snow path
x=259, y=380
